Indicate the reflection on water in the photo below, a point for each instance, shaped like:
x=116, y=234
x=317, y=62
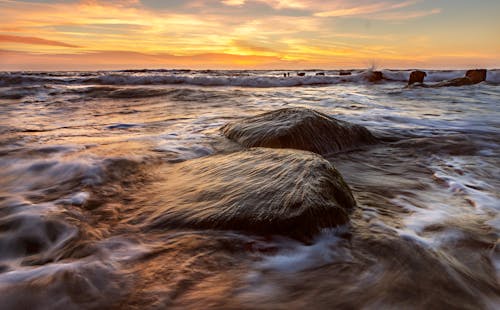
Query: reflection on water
x=83, y=167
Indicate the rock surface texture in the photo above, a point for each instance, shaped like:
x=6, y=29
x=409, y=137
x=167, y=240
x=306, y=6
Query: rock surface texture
x=298, y=128
x=416, y=76
x=261, y=190
x=471, y=77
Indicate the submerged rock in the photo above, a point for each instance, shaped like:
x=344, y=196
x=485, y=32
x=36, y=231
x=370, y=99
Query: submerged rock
x=298, y=128
x=416, y=76
x=261, y=190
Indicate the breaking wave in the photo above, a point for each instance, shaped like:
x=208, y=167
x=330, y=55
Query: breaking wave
x=223, y=78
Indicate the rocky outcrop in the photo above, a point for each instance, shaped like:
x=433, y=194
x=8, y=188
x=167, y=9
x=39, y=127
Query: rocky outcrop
x=374, y=76
x=320, y=73
x=301, y=74
x=261, y=190
x=417, y=76
x=471, y=77
x=344, y=72
x=298, y=128
x=476, y=76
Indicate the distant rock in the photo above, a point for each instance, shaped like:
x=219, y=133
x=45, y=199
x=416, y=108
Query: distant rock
x=298, y=128
x=374, y=76
x=342, y=72
x=416, y=76
x=320, y=73
x=301, y=74
x=476, y=76
x=260, y=190
x=471, y=77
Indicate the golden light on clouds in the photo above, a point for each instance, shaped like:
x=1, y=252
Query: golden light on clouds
x=244, y=34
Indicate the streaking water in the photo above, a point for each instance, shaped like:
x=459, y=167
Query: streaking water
x=85, y=157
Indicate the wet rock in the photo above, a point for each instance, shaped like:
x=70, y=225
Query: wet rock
x=320, y=73
x=344, y=72
x=416, y=76
x=301, y=74
x=298, y=128
x=374, y=76
x=471, y=77
x=476, y=76
x=261, y=190
x=463, y=81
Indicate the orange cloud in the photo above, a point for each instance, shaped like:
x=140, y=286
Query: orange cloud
x=17, y=60
x=344, y=9
x=236, y=34
x=33, y=40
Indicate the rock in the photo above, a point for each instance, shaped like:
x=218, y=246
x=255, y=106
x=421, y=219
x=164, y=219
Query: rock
x=298, y=128
x=417, y=76
x=320, y=73
x=342, y=72
x=301, y=74
x=476, y=76
x=471, y=77
x=261, y=190
x=374, y=76
x=455, y=82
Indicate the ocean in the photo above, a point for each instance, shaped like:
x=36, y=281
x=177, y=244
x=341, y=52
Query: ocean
x=88, y=160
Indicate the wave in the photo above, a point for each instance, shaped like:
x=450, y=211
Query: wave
x=221, y=78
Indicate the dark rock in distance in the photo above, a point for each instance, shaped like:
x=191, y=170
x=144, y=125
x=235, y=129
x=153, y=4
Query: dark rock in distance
x=320, y=73
x=416, y=76
x=471, y=77
x=298, y=128
x=261, y=190
x=476, y=76
x=375, y=76
x=301, y=74
x=344, y=72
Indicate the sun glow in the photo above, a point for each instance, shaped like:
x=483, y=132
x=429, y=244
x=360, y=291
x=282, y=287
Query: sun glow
x=242, y=34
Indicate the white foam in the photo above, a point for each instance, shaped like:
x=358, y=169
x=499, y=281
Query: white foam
x=493, y=76
x=461, y=201
x=225, y=78
x=326, y=249
x=459, y=180
x=80, y=198
x=440, y=76
x=392, y=75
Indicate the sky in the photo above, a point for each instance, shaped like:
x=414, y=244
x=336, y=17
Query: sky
x=249, y=34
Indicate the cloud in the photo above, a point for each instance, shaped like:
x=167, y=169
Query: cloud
x=91, y=60
x=334, y=33
x=364, y=8
x=405, y=15
x=233, y=2
x=33, y=40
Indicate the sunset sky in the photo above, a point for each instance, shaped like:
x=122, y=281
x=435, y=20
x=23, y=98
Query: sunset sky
x=260, y=34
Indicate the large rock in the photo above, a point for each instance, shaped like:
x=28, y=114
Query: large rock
x=261, y=190
x=416, y=76
x=298, y=128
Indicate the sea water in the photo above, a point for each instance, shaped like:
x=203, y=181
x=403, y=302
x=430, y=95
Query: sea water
x=83, y=157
